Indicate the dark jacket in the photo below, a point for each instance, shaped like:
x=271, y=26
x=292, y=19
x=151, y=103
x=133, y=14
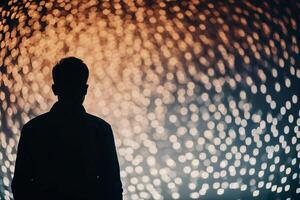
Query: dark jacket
x=67, y=154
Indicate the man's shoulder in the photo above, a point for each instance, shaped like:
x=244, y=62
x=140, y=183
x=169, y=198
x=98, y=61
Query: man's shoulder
x=38, y=120
x=97, y=120
x=45, y=118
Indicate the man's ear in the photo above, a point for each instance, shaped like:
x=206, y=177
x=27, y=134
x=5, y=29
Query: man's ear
x=54, y=89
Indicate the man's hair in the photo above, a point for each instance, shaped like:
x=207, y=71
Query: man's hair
x=70, y=71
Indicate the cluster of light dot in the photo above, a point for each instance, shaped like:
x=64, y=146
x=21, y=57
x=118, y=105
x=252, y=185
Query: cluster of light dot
x=203, y=96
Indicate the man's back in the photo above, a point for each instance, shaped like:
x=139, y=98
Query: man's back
x=67, y=154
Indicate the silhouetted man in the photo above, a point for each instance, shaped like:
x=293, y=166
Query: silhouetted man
x=67, y=153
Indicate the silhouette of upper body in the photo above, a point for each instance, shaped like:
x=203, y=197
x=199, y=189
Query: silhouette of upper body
x=67, y=153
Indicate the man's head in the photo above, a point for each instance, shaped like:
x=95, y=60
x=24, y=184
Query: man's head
x=70, y=76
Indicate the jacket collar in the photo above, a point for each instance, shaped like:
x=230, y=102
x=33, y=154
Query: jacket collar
x=62, y=107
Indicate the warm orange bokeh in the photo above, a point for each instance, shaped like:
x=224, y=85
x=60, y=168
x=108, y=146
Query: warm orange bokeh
x=196, y=91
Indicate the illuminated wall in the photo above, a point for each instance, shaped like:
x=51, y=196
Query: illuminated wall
x=203, y=96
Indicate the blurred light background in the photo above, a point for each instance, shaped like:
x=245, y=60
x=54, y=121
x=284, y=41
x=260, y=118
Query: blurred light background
x=203, y=96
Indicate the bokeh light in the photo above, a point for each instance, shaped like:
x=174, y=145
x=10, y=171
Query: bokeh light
x=203, y=96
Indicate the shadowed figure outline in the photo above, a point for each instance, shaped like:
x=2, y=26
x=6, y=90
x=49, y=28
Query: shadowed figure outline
x=67, y=153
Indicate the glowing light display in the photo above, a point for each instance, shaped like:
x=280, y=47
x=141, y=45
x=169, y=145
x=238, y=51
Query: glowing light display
x=203, y=96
